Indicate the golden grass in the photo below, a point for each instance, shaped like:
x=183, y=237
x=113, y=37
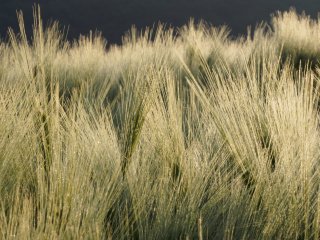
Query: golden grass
x=183, y=136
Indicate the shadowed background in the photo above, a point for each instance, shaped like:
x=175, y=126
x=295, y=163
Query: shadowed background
x=114, y=17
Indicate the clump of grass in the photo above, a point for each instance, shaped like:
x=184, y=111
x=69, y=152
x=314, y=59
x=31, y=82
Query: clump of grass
x=297, y=35
x=184, y=136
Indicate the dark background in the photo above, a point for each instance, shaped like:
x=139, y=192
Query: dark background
x=114, y=17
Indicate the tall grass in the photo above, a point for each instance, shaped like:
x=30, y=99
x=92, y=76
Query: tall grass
x=297, y=35
x=187, y=136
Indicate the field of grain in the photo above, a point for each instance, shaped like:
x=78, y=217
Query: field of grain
x=191, y=135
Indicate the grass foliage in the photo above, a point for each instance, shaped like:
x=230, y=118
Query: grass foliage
x=187, y=136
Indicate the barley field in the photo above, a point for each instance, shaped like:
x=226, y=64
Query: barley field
x=187, y=134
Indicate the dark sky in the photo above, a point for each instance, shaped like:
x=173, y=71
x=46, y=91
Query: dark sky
x=114, y=17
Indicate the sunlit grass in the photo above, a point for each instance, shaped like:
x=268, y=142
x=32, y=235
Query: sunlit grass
x=187, y=136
